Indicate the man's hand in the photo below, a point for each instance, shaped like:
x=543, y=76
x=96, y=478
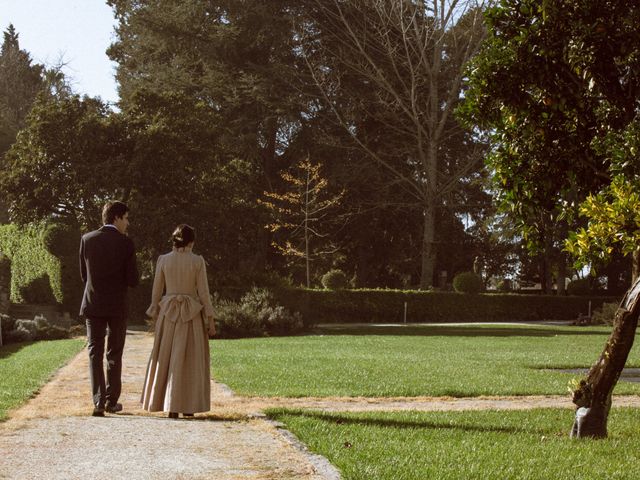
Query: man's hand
x=212, y=328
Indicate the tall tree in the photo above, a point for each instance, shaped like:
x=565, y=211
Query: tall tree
x=558, y=86
x=392, y=74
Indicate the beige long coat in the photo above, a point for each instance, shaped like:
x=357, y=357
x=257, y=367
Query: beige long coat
x=178, y=376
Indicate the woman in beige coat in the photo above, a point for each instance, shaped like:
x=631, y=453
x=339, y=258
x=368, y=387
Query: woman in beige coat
x=178, y=377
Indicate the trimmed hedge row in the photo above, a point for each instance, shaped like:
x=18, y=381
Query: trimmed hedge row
x=387, y=306
x=43, y=263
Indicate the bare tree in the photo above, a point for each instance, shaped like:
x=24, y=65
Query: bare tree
x=406, y=58
x=303, y=210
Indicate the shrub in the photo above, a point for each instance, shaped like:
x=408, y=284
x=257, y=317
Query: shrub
x=605, y=314
x=468, y=282
x=335, y=279
x=36, y=329
x=579, y=286
x=256, y=314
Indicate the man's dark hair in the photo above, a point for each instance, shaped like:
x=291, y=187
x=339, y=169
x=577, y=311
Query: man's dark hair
x=183, y=235
x=113, y=210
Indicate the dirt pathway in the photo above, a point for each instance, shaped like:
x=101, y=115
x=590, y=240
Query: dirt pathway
x=53, y=436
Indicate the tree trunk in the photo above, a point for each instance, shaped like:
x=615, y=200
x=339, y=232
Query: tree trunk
x=594, y=393
x=428, y=247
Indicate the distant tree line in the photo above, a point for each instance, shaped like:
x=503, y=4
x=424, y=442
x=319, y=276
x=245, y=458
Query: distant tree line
x=221, y=101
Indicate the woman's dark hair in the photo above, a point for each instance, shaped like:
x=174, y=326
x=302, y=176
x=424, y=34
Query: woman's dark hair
x=113, y=210
x=183, y=235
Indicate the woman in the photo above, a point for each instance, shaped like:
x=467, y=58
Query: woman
x=177, y=379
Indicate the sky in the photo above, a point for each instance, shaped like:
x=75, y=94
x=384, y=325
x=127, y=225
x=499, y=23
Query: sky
x=78, y=31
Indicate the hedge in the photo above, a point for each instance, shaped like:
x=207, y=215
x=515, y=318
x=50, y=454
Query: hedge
x=375, y=306
x=44, y=263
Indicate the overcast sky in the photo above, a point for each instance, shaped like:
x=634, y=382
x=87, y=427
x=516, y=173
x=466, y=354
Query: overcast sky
x=79, y=31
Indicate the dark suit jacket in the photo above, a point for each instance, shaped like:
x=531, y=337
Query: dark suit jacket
x=108, y=267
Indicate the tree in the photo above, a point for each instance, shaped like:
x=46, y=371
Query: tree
x=557, y=85
x=303, y=210
x=391, y=72
x=66, y=162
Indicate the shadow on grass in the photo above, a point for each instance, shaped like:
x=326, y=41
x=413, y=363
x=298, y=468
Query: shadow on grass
x=12, y=348
x=452, y=331
x=340, y=419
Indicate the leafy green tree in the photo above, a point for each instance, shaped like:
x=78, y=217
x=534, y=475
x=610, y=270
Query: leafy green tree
x=557, y=86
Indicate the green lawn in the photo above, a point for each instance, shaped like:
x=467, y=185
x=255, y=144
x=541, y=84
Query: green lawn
x=523, y=445
x=413, y=361
x=25, y=367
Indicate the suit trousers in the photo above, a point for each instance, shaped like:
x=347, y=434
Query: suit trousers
x=115, y=328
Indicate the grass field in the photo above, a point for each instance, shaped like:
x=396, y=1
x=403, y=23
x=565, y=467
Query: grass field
x=25, y=367
x=413, y=361
x=523, y=445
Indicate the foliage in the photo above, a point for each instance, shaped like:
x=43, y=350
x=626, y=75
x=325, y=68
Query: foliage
x=335, y=279
x=389, y=361
x=492, y=445
x=555, y=85
x=614, y=223
x=605, y=314
x=37, y=274
x=20, y=83
x=256, y=314
x=579, y=286
x=468, y=282
x=387, y=306
x=25, y=367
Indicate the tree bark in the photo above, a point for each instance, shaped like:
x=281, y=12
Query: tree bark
x=594, y=393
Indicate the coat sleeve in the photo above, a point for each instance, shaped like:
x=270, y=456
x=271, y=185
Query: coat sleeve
x=203, y=290
x=83, y=265
x=157, y=291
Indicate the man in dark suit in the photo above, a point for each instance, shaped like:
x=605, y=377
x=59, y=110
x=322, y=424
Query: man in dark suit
x=108, y=268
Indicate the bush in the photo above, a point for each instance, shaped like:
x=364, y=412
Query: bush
x=32, y=330
x=373, y=306
x=468, y=282
x=335, y=279
x=605, y=314
x=579, y=286
x=256, y=314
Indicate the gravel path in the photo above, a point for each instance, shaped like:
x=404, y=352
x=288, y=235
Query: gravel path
x=53, y=437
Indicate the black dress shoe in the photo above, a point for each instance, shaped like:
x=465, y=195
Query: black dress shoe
x=98, y=412
x=173, y=415
x=113, y=408
x=187, y=415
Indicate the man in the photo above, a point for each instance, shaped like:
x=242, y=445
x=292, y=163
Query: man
x=108, y=268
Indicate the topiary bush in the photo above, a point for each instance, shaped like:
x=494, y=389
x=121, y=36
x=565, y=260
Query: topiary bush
x=256, y=314
x=335, y=279
x=38, y=291
x=579, y=286
x=468, y=282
